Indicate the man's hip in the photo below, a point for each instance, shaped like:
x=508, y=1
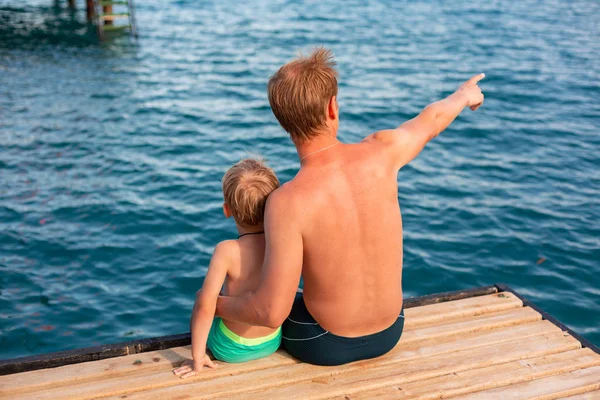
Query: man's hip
x=305, y=339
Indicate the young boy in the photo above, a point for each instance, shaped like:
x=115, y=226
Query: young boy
x=237, y=263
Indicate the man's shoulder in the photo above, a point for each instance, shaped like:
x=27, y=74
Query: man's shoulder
x=384, y=137
x=286, y=198
x=284, y=193
x=388, y=147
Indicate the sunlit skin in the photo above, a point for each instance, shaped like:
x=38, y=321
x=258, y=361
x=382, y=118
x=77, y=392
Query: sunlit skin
x=235, y=267
x=338, y=223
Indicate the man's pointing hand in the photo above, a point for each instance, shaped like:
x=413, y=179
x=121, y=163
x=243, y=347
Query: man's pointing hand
x=472, y=92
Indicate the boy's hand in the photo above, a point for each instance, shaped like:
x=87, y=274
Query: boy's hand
x=191, y=368
x=472, y=92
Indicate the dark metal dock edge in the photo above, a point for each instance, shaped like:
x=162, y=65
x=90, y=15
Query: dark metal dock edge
x=52, y=360
x=526, y=303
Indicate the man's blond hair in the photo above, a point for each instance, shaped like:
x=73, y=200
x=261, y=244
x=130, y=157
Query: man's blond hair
x=246, y=187
x=300, y=91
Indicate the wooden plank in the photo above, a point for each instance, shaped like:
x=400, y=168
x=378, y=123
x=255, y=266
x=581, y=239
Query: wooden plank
x=555, y=387
x=595, y=395
x=303, y=381
x=386, y=393
x=110, y=18
x=436, y=313
x=83, y=372
x=77, y=356
x=475, y=324
x=454, y=343
x=584, y=342
x=67, y=375
x=417, y=370
x=123, y=367
x=492, y=377
x=450, y=296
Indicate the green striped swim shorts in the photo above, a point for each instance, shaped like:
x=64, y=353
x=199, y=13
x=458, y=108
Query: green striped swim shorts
x=228, y=346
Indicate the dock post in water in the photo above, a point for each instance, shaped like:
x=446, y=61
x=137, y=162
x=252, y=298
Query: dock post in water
x=107, y=9
x=103, y=14
x=89, y=10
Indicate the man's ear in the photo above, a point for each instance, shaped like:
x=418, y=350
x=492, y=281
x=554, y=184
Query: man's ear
x=226, y=210
x=332, y=108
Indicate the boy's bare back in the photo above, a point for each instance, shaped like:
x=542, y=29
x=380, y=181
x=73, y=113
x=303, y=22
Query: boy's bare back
x=246, y=256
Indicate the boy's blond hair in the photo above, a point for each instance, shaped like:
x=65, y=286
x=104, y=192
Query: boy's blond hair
x=246, y=187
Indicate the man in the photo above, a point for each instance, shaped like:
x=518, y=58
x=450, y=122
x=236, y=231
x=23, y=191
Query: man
x=337, y=223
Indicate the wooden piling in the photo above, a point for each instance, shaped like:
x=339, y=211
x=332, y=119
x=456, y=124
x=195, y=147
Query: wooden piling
x=107, y=9
x=89, y=10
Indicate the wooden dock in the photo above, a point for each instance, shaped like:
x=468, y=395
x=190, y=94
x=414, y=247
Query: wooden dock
x=102, y=14
x=485, y=343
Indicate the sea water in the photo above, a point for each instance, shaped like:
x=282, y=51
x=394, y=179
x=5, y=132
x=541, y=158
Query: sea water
x=111, y=154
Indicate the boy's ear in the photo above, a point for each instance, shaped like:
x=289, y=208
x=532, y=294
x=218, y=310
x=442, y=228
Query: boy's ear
x=332, y=108
x=226, y=210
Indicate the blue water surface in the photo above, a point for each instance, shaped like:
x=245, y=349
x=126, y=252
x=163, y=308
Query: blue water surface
x=111, y=154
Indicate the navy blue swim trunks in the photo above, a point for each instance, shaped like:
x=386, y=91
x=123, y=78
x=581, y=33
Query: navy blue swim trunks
x=306, y=340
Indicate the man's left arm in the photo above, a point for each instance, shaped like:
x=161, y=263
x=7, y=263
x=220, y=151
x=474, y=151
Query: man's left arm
x=272, y=301
x=407, y=141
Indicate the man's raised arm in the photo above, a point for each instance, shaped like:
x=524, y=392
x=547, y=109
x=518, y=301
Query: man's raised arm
x=407, y=141
x=270, y=304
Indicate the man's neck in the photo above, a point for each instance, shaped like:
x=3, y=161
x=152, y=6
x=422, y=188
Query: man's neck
x=316, y=144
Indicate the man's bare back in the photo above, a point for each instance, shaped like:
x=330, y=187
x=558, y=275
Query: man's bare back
x=349, y=218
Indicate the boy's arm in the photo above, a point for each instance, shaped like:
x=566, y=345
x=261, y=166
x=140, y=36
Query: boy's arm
x=270, y=304
x=204, y=310
x=407, y=141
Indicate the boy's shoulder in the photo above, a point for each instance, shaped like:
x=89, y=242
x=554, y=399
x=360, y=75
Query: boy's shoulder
x=228, y=249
